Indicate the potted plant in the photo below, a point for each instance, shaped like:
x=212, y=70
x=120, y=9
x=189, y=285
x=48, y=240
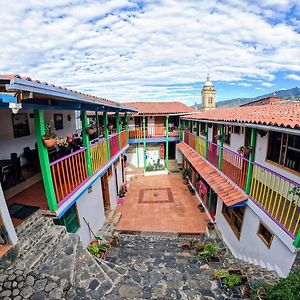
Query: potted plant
x=210, y=252
x=110, y=126
x=186, y=246
x=230, y=280
x=221, y=273
x=49, y=138
x=258, y=289
x=243, y=150
x=210, y=225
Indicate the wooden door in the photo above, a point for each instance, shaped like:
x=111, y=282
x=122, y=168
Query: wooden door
x=105, y=191
x=215, y=132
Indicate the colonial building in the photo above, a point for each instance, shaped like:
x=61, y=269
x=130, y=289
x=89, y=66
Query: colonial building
x=208, y=95
x=77, y=178
x=244, y=163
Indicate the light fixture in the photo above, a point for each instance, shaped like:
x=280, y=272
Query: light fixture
x=15, y=107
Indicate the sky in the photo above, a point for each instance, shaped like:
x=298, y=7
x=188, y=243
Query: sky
x=158, y=50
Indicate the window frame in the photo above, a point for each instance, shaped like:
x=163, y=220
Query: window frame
x=231, y=217
x=261, y=236
x=281, y=162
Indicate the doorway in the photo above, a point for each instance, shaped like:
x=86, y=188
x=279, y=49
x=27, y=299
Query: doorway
x=105, y=192
x=215, y=133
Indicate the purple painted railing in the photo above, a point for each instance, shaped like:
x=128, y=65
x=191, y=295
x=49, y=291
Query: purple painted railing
x=114, y=145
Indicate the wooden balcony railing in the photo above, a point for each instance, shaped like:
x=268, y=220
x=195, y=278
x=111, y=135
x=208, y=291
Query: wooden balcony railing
x=114, y=145
x=235, y=167
x=123, y=139
x=68, y=173
x=99, y=155
x=152, y=132
x=213, y=154
x=200, y=145
x=272, y=192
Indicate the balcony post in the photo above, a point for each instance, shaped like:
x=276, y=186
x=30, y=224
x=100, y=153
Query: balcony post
x=118, y=129
x=297, y=240
x=183, y=129
x=221, y=147
x=197, y=128
x=251, y=159
x=97, y=123
x=209, y=199
x=190, y=126
x=86, y=143
x=126, y=127
x=106, y=135
x=206, y=140
x=167, y=141
x=144, y=138
x=39, y=124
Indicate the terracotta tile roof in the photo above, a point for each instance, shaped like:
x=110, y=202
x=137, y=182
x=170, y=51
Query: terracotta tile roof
x=281, y=114
x=160, y=108
x=9, y=77
x=227, y=192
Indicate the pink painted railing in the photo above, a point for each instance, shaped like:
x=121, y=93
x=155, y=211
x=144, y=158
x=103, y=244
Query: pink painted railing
x=68, y=173
x=213, y=154
x=114, y=145
x=235, y=167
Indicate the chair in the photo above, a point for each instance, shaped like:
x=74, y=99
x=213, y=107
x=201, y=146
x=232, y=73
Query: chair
x=16, y=168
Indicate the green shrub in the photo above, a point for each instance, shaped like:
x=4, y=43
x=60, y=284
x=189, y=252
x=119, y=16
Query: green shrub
x=221, y=273
x=287, y=288
x=231, y=280
x=258, y=289
x=94, y=249
x=210, y=250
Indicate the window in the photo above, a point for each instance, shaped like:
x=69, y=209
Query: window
x=227, y=134
x=237, y=129
x=265, y=234
x=70, y=220
x=284, y=149
x=234, y=217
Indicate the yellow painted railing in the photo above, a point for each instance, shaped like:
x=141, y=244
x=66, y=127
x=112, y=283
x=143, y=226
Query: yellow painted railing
x=99, y=155
x=273, y=193
x=200, y=145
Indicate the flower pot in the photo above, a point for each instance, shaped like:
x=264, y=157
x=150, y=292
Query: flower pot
x=210, y=226
x=110, y=126
x=186, y=246
x=247, y=151
x=90, y=131
x=215, y=259
x=49, y=143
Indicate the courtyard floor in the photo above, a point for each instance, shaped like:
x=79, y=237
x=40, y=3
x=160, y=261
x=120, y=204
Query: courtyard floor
x=160, y=203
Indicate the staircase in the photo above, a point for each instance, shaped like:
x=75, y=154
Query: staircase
x=52, y=264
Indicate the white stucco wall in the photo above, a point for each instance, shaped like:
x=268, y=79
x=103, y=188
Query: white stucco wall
x=6, y=219
x=113, y=193
x=119, y=174
x=236, y=141
x=251, y=248
x=10, y=144
x=90, y=206
x=132, y=156
x=178, y=156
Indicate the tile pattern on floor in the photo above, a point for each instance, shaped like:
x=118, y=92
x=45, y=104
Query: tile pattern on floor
x=155, y=213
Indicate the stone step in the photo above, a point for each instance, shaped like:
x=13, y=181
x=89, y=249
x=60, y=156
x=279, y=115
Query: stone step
x=41, y=248
x=60, y=259
x=90, y=279
x=33, y=231
x=112, y=274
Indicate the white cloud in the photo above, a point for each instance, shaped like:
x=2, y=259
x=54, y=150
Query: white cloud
x=124, y=51
x=293, y=77
x=267, y=84
x=245, y=84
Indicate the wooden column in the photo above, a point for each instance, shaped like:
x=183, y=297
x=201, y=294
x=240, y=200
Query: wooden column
x=221, y=147
x=106, y=134
x=39, y=124
x=86, y=143
x=167, y=142
x=251, y=159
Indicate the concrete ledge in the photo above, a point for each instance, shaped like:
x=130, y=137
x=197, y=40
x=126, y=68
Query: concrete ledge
x=160, y=172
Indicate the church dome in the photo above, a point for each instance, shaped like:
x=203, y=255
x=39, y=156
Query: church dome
x=208, y=82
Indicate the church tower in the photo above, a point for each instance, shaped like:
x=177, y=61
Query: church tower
x=208, y=95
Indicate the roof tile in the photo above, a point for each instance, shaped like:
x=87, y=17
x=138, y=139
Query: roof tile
x=226, y=191
x=279, y=114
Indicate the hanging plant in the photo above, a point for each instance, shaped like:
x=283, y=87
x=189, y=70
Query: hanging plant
x=49, y=138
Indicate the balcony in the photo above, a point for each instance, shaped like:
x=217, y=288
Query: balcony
x=270, y=191
x=154, y=132
x=70, y=172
